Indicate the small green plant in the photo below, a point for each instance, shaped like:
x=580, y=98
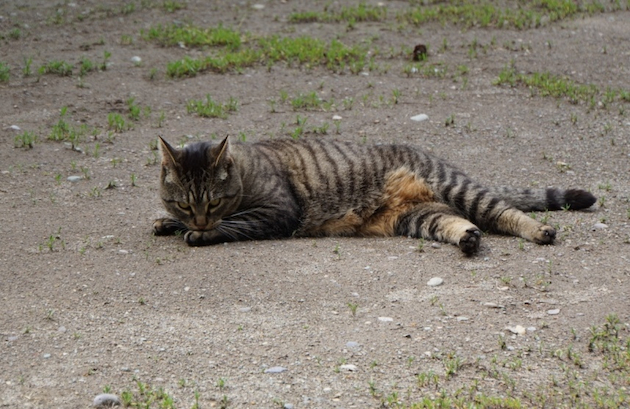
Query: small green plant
x=27, y=71
x=61, y=68
x=210, y=108
x=450, y=120
x=134, y=179
x=134, y=109
x=353, y=308
x=25, y=140
x=106, y=56
x=172, y=6
x=4, y=72
x=116, y=122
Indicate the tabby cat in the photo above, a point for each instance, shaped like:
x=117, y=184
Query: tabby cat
x=313, y=187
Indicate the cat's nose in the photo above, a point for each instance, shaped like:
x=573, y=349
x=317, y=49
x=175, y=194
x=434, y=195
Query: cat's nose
x=200, y=222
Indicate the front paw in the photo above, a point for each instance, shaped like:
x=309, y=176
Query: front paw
x=469, y=243
x=545, y=235
x=167, y=226
x=194, y=238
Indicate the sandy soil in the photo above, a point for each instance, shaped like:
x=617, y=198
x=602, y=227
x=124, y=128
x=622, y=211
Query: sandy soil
x=90, y=299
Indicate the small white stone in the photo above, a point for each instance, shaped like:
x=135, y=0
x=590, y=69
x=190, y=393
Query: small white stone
x=519, y=329
x=435, y=281
x=136, y=60
x=106, y=400
x=275, y=369
x=600, y=226
x=349, y=368
x=531, y=329
x=462, y=319
x=385, y=319
x=420, y=118
x=436, y=245
x=258, y=6
x=337, y=118
x=15, y=128
x=74, y=178
x=555, y=311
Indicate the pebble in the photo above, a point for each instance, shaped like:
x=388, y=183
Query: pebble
x=531, y=329
x=275, y=369
x=136, y=60
x=436, y=245
x=600, y=226
x=420, y=117
x=385, y=319
x=555, y=311
x=337, y=118
x=74, y=178
x=349, y=367
x=519, y=329
x=435, y=281
x=46, y=356
x=462, y=319
x=352, y=344
x=106, y=400
x=13, y=338
x=15, y=128
x=288, y=406
x=258, y=6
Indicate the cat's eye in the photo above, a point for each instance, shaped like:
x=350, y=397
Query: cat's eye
x=215, y=202
x=183, y=205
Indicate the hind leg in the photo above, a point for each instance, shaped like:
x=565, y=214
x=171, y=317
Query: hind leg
x=437, y=221
x=515, y=222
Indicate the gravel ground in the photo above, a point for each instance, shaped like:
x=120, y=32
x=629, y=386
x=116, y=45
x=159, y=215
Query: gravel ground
x=92, y=302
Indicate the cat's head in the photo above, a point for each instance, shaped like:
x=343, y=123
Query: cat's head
x=199, y=183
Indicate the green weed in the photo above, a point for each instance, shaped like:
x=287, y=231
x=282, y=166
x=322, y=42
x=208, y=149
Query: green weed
x=117, y=123
x=61, y=68
x=25, y=140
x=210, y=108
x=192, y=36
x=351, y=15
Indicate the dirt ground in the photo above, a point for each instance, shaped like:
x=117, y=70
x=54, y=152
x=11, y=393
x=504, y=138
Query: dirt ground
x=91, y=301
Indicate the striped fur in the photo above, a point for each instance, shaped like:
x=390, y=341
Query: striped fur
x=281, y=188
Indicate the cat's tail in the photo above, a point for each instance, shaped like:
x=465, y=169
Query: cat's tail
x=551, y=198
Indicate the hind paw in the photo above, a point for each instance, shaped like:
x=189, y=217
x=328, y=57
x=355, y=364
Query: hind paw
x=544, y=235
x=469, y=242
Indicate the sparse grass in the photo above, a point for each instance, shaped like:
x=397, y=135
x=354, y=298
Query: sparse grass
x=301, y=51
x=210, y=108
x=25, y=140
x=85, y=66
x=5, y=72
x=172, y=6
x=66, y=132
x=117, y=123
x=146, y=396
x=486, y=14
x=547, y=84
x=192, y=36
x=57, y=67
x=351, y=15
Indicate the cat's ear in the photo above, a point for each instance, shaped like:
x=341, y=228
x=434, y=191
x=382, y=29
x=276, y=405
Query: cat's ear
x=169, y=154
x=221, y=153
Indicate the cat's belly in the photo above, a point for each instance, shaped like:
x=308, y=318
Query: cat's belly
x=403, y=190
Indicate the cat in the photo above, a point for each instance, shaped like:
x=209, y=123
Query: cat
x=314, y=187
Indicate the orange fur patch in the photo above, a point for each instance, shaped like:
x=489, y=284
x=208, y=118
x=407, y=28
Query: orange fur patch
x=403, y=190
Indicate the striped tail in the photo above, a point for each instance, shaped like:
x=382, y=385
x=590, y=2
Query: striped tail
x=545, y=199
